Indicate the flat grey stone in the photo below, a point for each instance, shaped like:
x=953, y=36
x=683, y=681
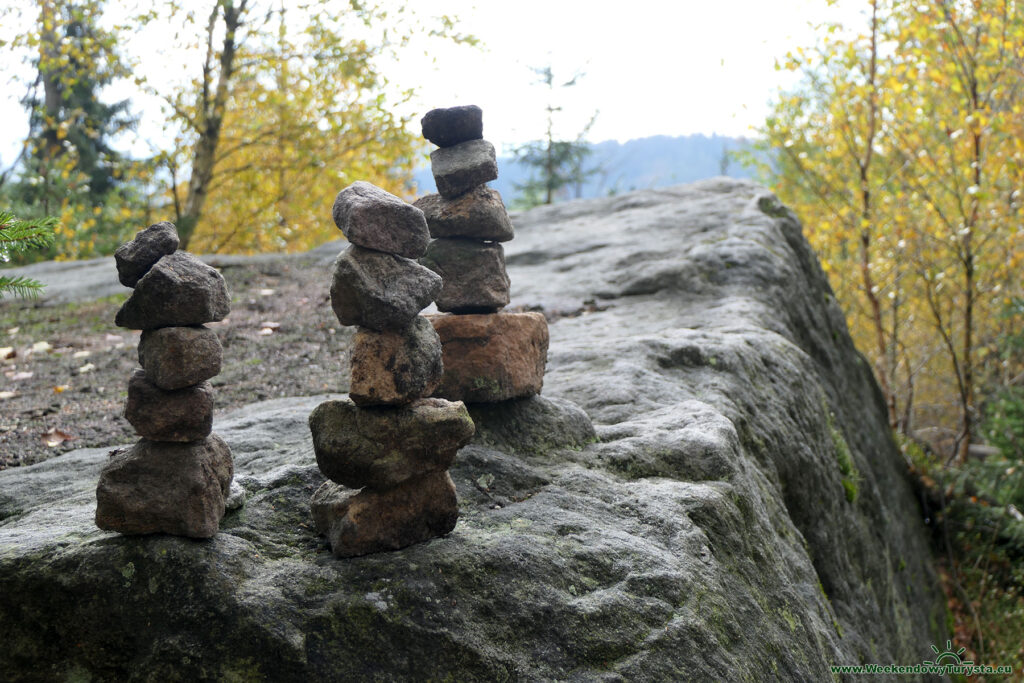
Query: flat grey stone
x=475, y=280
x=382, y=447
x=380, y=291
x=477, y=214
x=376, y=219
x=460, y=168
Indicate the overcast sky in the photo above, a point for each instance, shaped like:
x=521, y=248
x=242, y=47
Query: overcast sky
x=652, y=67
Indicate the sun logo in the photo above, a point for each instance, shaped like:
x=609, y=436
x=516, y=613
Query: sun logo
x=949, y=656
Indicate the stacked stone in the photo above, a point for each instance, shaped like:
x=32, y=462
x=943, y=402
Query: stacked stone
x=488, y=356
x=387, y=438
x=176, y=478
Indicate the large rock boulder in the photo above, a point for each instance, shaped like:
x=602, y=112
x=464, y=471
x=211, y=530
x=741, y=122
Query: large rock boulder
x=712, y=533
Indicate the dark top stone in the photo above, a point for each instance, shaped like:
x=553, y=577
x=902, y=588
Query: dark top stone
x=178, y=290
x=376, y=219
x=447, y=127
x=135, y=258
x=380, y=291
x=460, y=168
x=479, y=214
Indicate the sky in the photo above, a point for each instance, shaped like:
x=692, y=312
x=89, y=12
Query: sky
x=649, y=67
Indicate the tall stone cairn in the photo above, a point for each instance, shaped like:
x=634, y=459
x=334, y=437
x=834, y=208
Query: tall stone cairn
x=488, y=355
x=386, y=448
x=175, y=479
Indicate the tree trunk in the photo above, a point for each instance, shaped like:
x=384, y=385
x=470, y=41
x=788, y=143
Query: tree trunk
x=211, y=119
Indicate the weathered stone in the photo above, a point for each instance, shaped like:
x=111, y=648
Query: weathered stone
x=722, y=351
x=168, y=488
x=462, y=167
x=376, y=219
x=135, y=258
x=381, y=447
x=179, y=415
x=178, y=290
x=474, y=276
x=380, y=291
x=491, y=357
x=178, y=357
x=395, y=367
x=367, y=521
x=450, y=126
x=479, y=214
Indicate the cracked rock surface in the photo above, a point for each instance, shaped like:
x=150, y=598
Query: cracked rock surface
x=707, y=534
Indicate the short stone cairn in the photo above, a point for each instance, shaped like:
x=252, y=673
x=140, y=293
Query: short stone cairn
x=488, y=356
x=387, y=447
x=176, y=478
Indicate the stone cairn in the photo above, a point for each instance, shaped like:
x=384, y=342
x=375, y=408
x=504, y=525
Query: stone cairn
x=387, y=447
x=488, y=356
x=176, y=478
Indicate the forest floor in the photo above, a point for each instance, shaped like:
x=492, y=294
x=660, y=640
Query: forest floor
x=65, y=367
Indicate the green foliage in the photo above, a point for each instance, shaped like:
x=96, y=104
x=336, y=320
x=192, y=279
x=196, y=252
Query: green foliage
x=556, y=165
x=18, y=235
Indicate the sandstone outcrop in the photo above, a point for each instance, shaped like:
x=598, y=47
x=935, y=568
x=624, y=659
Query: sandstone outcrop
x=707, y=536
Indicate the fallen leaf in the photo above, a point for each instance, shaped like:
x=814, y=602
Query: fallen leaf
x=61, y=389
x=13, y=331
x=54, y=437
x=113, y=338
x=21, y=375
x=265, y=331
x=270, y=325
x=7, y=394
x=266, y=292
x=81, y=354
x=7, y=352
x=41, y=347
x=88, y=367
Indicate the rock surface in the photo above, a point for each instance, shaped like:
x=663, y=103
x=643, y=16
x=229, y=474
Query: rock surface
x=135, y=258
x=177, y=357
x=172, y=488
x=363, y=522
x=380, y=291
x=383, y=447
x=707, y=536
x=462, y=167
x=479, y=214
x=473, y=273
x=178, y=290
x=490, y=358
x=179, y=415
x=395, y=367
x=452, y=125
x=376, y=219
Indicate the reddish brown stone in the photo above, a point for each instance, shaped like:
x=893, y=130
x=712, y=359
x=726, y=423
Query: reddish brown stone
x=391, y=368
x=367, y=521
x=491, y=358
x=173, y=488
x=179, y=415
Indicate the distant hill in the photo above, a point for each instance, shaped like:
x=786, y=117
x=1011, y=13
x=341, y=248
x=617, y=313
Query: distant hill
x=638, y=164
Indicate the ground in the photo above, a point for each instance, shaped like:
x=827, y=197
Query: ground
x=69, y=392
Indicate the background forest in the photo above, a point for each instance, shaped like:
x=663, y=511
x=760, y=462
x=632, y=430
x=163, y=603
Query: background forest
x=900, y=148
